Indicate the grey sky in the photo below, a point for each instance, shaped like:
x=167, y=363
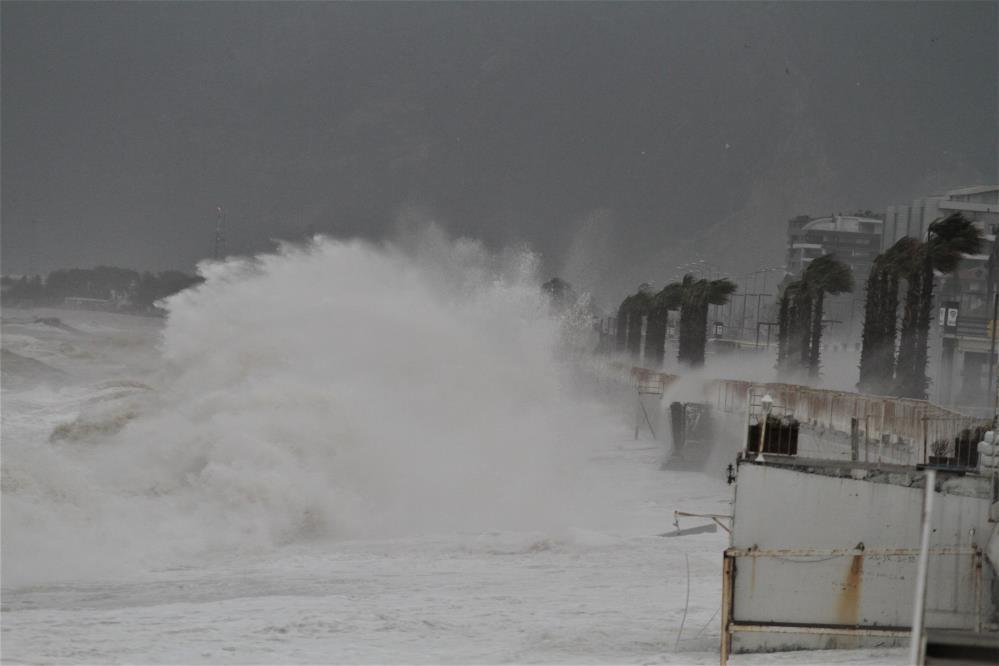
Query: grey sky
x=616, y=139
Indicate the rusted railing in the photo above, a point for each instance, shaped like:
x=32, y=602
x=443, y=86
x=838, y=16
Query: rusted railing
x=953, y=441
x=897, y=430
x=649, y=381
x=896, y=418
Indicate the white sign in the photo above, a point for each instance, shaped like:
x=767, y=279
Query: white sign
x=952, y=316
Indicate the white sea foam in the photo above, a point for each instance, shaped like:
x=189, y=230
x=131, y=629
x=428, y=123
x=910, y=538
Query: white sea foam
x=337, y=390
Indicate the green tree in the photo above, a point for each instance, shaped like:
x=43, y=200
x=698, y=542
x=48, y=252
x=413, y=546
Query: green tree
x=155, y=286
x=629, y=317
x=880, y=332
x=824, y=275
x=789, y=329
x=947, y=240
x=692, y=297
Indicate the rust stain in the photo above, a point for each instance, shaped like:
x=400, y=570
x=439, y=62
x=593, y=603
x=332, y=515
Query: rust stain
x=848, y=603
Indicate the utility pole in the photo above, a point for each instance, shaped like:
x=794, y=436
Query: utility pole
x=219, y=235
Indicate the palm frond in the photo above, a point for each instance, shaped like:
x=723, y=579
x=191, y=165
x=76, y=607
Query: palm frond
x=949, y=239
x=717, y=292
x=828, y=274
x=671, y=296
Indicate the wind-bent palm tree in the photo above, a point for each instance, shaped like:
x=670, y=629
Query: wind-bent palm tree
x=783, y=328
x=692, y=297
x=801, y=307
x=623, y=321
x=629, y=320
x=877, y=355
x=655, y=333
x=947, y=240
x=792, y=334
x=824, y=275
x=880, y=332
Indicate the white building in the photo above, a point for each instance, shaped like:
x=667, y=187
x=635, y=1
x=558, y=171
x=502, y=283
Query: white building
x=960, y=357
x=980, y=204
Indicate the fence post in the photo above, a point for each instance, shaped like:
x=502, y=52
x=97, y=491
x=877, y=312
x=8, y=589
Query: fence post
x=926, y=432
x=728, y=569
x=854, y=439
x=867, y=436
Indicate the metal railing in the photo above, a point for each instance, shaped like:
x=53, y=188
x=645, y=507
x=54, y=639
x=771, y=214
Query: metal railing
x=887, y=429
x=953, y=441
x=881, y=428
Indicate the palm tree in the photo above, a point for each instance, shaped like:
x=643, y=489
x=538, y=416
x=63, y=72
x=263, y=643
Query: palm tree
x=629, y=320
x=621, y=324
x=908, y=257
x=670, y=298
x=824, y=275
x=692, y=297
x=783, y=326
x=947, y=240
x=655, y=332
x=877, y=358
x=791, y=335
x=880, y=332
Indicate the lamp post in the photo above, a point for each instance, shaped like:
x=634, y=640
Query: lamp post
x=767, y=403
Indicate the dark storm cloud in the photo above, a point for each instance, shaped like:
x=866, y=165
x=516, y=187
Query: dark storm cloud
x=618, y=139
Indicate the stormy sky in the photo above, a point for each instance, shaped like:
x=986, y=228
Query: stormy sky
x=618, y=140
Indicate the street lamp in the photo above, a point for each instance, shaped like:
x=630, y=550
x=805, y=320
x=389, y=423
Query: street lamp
x=767, y=403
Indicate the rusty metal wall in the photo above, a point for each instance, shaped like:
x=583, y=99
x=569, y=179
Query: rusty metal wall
x=829, y=554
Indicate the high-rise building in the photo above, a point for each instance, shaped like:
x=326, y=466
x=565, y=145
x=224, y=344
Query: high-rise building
x=960, y=354
x=853, y=239
x=980, y=204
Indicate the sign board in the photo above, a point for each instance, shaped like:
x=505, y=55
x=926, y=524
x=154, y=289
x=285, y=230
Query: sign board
x=948, y=316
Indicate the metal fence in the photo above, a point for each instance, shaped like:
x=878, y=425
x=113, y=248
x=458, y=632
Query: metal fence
x=895, y=430
x=882, y=429
x=650, y=382
x=953, y=441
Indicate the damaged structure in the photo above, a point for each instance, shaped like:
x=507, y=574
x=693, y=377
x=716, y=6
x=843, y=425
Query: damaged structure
x=827, y=523
x=824, y=555
x=825, y=550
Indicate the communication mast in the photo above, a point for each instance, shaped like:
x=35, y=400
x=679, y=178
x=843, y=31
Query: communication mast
x=219, y=235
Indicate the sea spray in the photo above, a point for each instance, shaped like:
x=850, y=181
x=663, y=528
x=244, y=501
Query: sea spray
x=336, y=390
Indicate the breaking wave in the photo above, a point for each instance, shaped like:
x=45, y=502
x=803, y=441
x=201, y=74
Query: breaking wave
x=336, y=390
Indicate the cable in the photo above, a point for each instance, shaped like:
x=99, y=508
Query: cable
x=718, y=610
x=686, y=604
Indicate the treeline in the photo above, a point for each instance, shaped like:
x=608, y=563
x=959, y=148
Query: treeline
x=893, y=357
x=800, y=312
x=898, y=311
x=108, y=287
x=644, y=314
